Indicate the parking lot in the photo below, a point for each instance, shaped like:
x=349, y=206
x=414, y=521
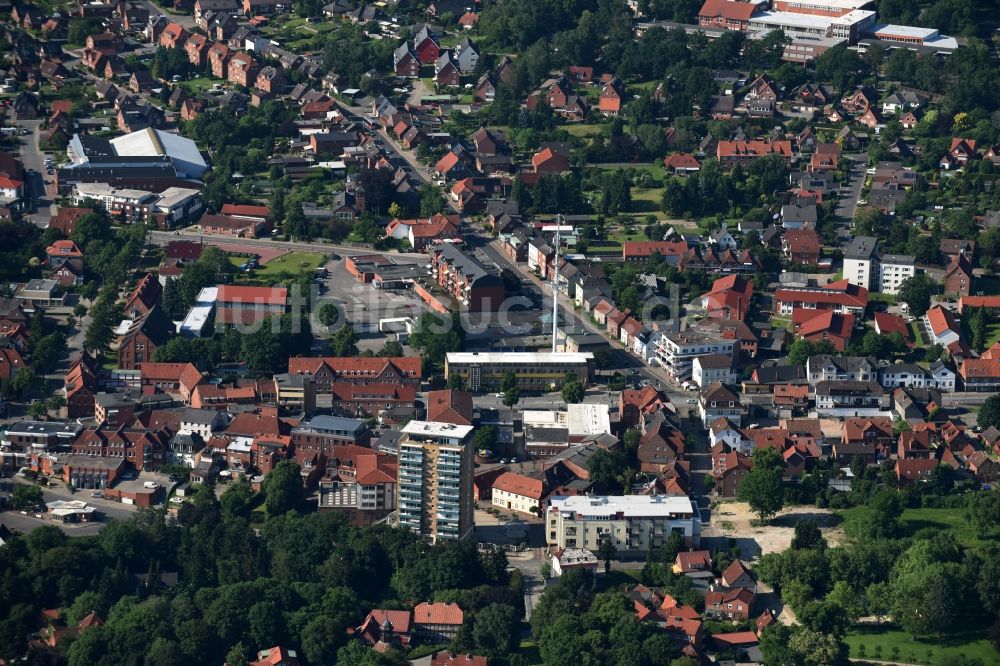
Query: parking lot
x=365, y=305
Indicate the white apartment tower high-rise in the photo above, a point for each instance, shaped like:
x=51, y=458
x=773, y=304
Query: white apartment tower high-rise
x=435, y=480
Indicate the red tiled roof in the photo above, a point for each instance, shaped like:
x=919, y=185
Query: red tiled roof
x=980, y=368
x=913, y=469
x=989, y=302
x=736, y=638
x=64, y=248
x=548, y=156
x=681, y=161
x=446, y=163
x=754, y=148
x=407, y=365
x=518, y=484
x=886, y=323
x=727, y=9
x=449, y=406
x=375, y=468
x=695, y=560
x=941, y=320
x=813, y=322
x=8, y=183
x=240, y=210
x=252, y=295
x=439, y=613
x=648, y=248
x=835, y=293
x=733, y=572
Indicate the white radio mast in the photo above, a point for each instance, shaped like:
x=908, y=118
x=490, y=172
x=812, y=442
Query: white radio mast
x=555, y=288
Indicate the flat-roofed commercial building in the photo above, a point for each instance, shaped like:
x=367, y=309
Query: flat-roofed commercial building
x=534, y=371
x=634, y=524
x=435, y=479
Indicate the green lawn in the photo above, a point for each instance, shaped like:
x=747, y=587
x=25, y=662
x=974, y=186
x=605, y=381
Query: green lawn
x=199, y=85
x=992, y=334
x=879, y=297
x=583, y=130
x=916, y=333
x=286, y=267
x=942, y=520
x=925, y=650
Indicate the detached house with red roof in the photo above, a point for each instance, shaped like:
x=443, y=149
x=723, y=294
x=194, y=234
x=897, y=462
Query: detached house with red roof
x=549, y=161
x=732, y=604
x=517, y=492
x=961, y=152
x=941, y=326
x=612, y=96
x=802, y=246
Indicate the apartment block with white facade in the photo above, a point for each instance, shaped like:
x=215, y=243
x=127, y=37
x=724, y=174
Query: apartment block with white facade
x=676, y=352
x=893, y=269
x=861, y=261
x=634, y=524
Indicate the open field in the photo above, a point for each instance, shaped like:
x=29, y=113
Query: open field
x=733, y=519
x=952, y=520
x=288, y=266
x=925, y=650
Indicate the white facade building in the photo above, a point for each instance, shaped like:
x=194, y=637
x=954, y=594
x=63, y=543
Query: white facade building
x=893, y=269
x=634, y=524
x=676, y=351
x=861, y=261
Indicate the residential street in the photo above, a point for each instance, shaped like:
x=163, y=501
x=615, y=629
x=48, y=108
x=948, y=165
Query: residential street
x=848, y=201
x=34, y=167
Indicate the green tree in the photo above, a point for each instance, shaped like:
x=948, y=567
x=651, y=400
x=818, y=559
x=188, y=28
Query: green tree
x=496, y=630
x=23, y=496
x=572, y=390
x=238, y=654
x=321, y=640
x=916, y=292
x=283, y=488
x=435, y=335
x=989, y=412
x=762, y=488
x=608, y=470
x=236, y=499
x=807, y=535
x=344, y=342
x=24, y=383
x=431, y=201
x=391, y=349
x=328, y=314
x=261, y=351
x=607, y=552
x=485, y=438
x=38, y=411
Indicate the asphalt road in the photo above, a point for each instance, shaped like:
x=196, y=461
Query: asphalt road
x=848, y=202
x=33, y=159
x=16, y=521
x=405, y=158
